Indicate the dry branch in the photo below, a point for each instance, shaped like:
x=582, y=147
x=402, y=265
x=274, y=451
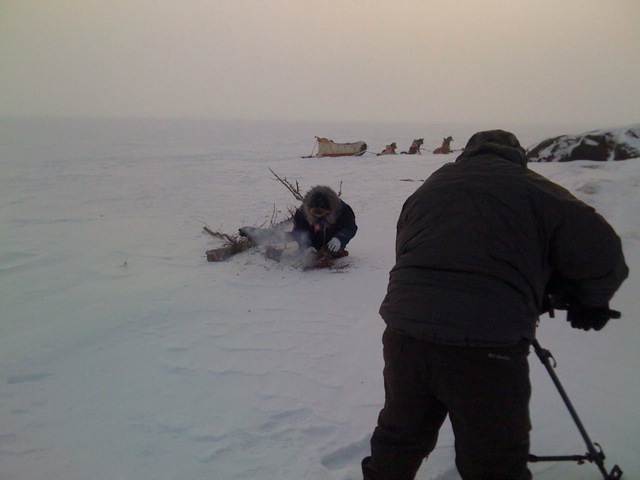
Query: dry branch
x=222, y=236
x=223, y=253
x=233, y=244
x=295, y=190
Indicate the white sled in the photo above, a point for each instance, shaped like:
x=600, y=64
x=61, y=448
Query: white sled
x=329, y=148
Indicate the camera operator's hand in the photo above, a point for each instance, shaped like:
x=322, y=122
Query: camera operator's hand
x=587, y=318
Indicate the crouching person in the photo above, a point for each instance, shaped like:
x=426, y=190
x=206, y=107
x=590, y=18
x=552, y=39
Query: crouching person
x=323, y=222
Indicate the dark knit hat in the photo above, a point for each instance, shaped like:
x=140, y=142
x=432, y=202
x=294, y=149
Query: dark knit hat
x=496, y=142
x=501, y=137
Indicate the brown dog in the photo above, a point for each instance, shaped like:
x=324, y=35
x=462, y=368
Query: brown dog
x=446, y=145
x=389, y=149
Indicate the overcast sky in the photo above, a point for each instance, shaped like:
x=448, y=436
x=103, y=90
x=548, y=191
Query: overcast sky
x=554, y=61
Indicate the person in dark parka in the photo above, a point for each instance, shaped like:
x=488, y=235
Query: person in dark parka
x=324, y=221
x=480, y=247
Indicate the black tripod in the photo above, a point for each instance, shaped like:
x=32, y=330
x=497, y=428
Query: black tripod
x=594, y=453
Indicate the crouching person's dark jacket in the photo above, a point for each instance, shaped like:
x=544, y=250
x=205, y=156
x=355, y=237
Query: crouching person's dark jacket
x=311, y=231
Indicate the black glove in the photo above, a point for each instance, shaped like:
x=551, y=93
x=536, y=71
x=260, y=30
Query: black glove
x=586, y=318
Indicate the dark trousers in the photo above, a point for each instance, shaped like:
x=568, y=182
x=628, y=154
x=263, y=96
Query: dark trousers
x=485, y=392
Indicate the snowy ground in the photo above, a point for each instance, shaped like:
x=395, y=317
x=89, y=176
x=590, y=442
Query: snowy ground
x=125, y=355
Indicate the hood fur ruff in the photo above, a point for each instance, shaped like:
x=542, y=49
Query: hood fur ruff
x=330, y=195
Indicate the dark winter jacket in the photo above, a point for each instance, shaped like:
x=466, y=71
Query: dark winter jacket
x=479, y=241
x=313, y=232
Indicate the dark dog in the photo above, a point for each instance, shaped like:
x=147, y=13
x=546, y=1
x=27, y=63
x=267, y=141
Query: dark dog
x=415, y=147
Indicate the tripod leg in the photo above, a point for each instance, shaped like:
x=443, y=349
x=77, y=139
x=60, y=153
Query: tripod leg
x=595, y=454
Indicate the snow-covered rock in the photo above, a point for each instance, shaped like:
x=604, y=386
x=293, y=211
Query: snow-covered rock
x=600, y=145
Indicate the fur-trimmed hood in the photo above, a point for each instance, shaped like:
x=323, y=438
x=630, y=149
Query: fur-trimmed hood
x=331, y=197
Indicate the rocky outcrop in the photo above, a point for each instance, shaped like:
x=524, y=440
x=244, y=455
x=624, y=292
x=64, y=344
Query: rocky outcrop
x=599, y=145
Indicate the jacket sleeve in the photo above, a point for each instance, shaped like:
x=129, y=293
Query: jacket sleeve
x=346, y=223
x=586, y=256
